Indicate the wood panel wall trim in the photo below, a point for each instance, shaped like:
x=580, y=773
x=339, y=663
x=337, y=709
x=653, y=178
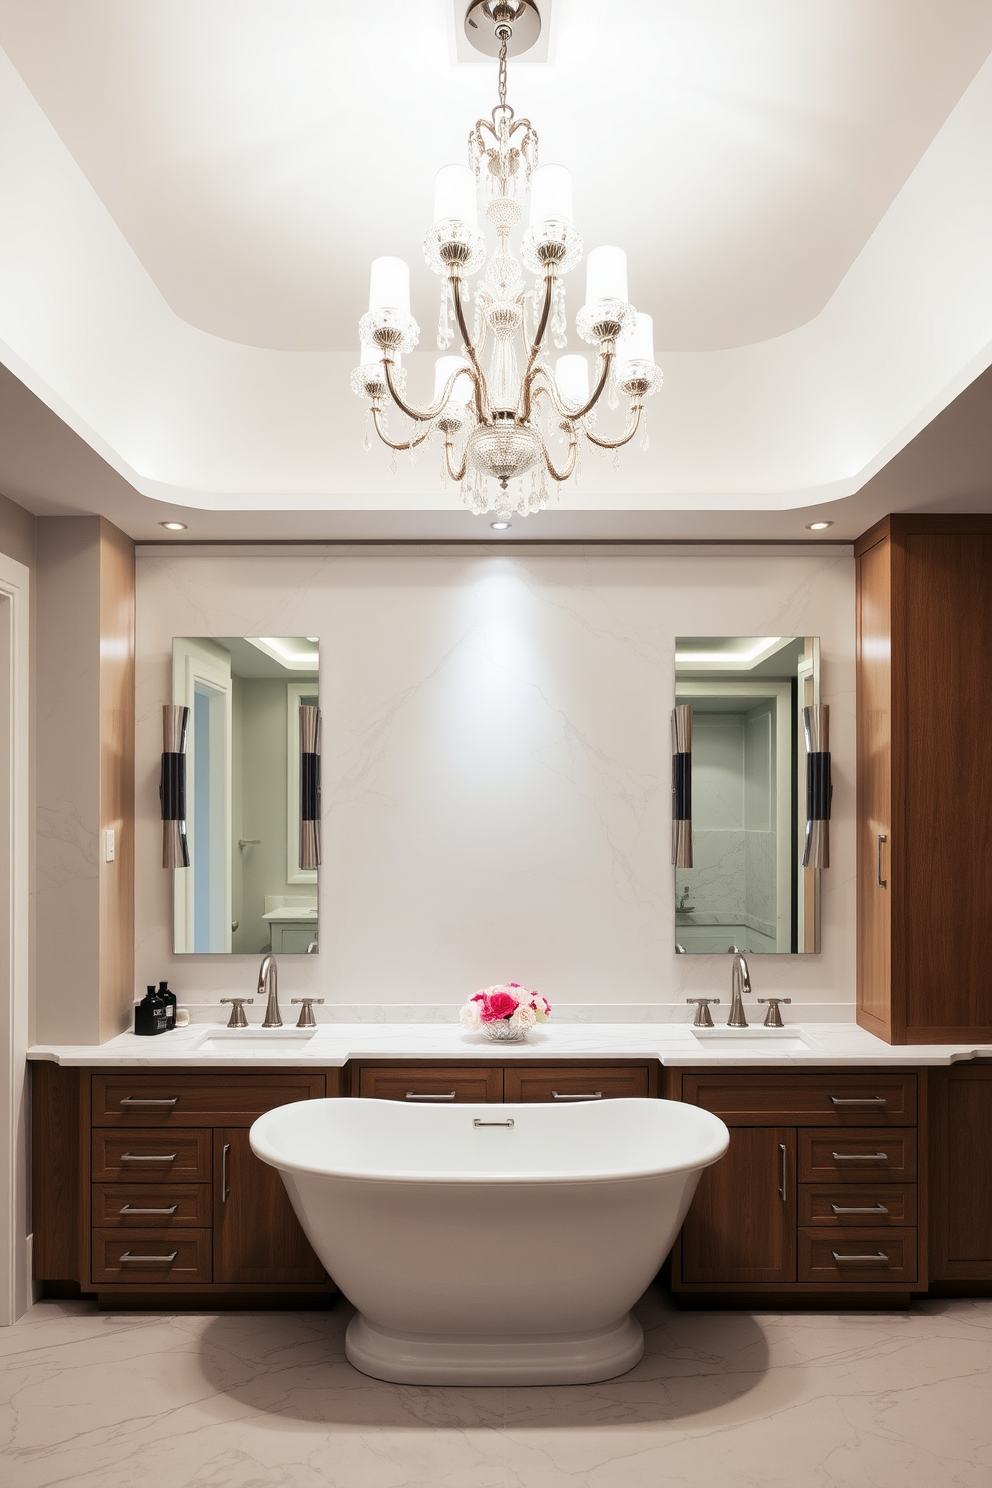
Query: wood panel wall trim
x=117, y=650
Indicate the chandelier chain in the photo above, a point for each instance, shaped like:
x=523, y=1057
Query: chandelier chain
x=502, y=67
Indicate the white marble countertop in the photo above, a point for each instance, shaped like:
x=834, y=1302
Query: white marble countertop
x=334, y=1044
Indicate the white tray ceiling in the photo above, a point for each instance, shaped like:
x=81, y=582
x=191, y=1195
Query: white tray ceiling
x=193, y=194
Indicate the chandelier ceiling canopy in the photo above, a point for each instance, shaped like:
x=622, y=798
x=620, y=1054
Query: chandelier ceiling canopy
x=497, y=423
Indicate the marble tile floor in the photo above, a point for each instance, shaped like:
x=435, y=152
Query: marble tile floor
x=267, y=1400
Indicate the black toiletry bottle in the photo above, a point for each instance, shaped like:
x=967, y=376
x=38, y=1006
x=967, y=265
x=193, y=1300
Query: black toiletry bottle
x=149, y=1014
x=169, y=998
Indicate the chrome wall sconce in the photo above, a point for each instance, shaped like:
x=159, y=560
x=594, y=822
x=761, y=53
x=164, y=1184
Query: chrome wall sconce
x=309, y=786
x=819, y=786
x=172, y=785
x=682, y=786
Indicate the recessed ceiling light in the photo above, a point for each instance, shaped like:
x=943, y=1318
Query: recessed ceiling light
x=818, y=526
x=499, y=526
x=173, y=526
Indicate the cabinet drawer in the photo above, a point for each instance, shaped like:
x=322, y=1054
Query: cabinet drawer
x=162, y=1205
x=194, y=1100
x=851, y=1156
x=150, y=1157
x=527, y=1083
x=836, y=1204
x=861, y=1255
x=137, y=1257
x=843, y=1099
x=433, y=1085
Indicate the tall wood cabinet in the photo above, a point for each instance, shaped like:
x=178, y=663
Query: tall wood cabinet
x=924, y=760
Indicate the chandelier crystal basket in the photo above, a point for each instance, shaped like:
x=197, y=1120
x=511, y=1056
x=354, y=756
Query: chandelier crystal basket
x=497, y=424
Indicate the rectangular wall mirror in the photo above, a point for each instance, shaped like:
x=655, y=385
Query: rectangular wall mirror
x=247, y=789
x=747, y=886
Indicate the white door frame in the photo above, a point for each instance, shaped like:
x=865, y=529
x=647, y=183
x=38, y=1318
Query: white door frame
x=15, y=745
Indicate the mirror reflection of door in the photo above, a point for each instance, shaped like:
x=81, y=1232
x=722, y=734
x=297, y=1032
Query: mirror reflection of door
x=202, y=680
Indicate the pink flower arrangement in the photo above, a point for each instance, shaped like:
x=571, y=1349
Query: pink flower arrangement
x=508, y=1002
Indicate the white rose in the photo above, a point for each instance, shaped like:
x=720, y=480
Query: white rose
x=470, y=1016
x=524, y=1016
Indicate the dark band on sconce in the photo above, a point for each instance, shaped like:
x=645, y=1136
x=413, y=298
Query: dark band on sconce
x=682, y=786
x=172, y=786
x=819, y=787
x=309, y=786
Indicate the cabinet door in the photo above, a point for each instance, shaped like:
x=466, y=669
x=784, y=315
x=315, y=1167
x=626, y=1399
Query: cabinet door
x=961, y=1174
x=742, y=1224
x=257, y=1237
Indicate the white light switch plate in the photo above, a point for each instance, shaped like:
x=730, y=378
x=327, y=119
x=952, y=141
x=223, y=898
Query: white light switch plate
x=110, y=845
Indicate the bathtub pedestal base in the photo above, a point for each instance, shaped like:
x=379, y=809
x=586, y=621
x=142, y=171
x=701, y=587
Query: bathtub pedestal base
x=517, y=1359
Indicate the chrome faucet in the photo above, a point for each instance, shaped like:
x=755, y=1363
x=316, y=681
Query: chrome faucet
x=268, y=981
x=740, y=982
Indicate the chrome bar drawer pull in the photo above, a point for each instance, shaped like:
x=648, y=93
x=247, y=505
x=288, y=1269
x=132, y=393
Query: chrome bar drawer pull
x=413, y=1095
x=882, y=883
x=140, y=1100
x=866, y=1157
x=859, y=1208
x=224, y=1185
x=130, y=1209
x=878, y=1259
x=478, y=1122
x=149, y=1157
x=150, y=1260
x=858, y=1100
x=782, y=1192
x=563, y=1095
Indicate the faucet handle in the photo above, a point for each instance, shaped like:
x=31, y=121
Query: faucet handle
x=773, y=1018
x=703, y=1018
x=306, y=1018
x=237, y=1018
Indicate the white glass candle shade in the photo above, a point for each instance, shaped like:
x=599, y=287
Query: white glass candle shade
x=463, y=389
x=637, y=344
x=606, y=275
x=455, y=196
x=389, y=285
x=572, y=377
x=550, y=195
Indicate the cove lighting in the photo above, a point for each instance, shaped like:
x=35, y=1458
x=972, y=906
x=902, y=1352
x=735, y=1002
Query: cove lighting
x=287, y=650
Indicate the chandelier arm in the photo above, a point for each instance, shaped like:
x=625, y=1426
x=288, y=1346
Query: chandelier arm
x=634, y=419
x=542, y=325
x=393, y=444
x=428, y=415
x=456, y=475
x=573, y=448
x=481, y=401
x=609, y=351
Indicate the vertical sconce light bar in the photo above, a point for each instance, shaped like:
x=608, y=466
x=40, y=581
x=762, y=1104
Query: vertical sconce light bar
x=309, y=786
x=819, y=786
x=172, y=785
x=682, y=786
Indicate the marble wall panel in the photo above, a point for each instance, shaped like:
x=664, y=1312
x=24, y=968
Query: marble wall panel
x=496, y=758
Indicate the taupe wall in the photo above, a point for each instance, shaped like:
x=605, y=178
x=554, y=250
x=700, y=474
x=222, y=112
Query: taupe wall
x=18, y=540
x=85, y=763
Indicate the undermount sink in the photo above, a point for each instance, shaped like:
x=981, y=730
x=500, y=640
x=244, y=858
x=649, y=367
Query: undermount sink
x=254, y=1040
x=757, y=1040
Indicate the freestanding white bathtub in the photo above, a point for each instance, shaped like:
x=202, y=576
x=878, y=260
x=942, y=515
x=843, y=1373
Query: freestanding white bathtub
x=491, y=1244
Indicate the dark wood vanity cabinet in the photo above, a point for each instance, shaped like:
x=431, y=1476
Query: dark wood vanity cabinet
x=961, y=1176
x=818, y=1193
x=145, y=1185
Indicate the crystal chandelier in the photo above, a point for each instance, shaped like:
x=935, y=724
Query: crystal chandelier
x=497, y=424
